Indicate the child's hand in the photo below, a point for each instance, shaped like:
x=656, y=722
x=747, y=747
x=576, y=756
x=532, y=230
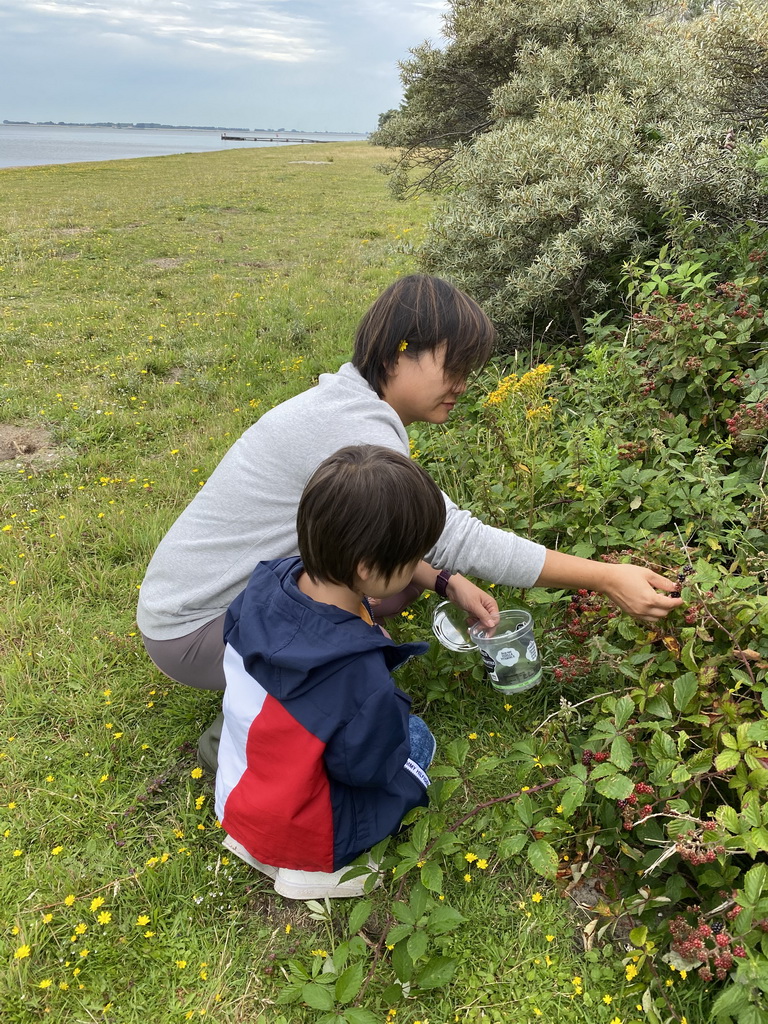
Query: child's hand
x=478, y=604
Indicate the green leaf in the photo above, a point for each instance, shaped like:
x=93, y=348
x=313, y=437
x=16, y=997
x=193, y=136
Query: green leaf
x=659, y=707
x=398, y=932
x=420, y=833
x=357, y=1015
x=623, y=711
x=684, y=688
x=656, y=519
x=621, y=753
x=572, y=795
x=686, y=656
x=732, y=1001
x=700, y=762
x=417, y=944
x=456, y=751
x=663, y=746
x=615, y=787
x=290, y=993
x=403, y=912
x=432, y=876
x=543, y=858
x=638, y=936
x=727, y=759
x=444, y=919
x=349, y=982
x=319, y=997
x=750, y=810
x=511, y=845
x=728, y=818
x=359, y=915
x=662, y=771
x=402, y=964
x=437, y=973
x=419, y=899
x=758, y=732
x=755, y=882
x=524, y=809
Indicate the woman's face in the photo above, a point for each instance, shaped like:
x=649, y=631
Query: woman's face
x=417, y=388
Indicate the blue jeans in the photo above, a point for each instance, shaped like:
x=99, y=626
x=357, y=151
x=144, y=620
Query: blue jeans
x=423, y=743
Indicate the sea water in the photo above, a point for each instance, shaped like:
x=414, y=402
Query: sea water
x=35, y=145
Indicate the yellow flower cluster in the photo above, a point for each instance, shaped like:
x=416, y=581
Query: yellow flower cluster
x=530, y=385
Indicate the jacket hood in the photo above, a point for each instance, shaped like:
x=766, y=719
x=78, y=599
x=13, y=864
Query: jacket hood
x=290, y=643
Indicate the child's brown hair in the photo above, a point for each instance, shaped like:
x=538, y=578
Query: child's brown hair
x=371, y=505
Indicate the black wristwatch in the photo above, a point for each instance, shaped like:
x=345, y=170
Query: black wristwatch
x=441, y=583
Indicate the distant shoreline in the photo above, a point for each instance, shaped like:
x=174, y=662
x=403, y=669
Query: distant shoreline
x=147, y=125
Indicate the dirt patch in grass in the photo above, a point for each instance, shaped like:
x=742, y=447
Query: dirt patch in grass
x=166, y=262
x=74, y=231
x=31, y=444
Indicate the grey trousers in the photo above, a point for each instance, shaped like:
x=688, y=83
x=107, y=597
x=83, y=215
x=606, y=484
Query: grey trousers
x=195, y=659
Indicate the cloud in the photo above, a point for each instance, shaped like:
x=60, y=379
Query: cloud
x=255, y=29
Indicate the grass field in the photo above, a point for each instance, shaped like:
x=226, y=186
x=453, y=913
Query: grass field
x=151, y=309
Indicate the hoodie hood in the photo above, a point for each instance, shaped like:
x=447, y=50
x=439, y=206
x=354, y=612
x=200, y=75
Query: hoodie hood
x=290, y=643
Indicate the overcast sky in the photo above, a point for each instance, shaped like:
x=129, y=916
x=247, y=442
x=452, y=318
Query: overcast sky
x=322, y=65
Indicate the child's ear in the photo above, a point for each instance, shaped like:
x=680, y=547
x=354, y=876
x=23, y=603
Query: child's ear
x=363, y=572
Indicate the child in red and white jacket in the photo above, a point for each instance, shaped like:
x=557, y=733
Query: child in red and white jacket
x=320, y=758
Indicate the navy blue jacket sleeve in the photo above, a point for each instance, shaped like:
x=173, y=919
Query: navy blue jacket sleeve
x=372, y=747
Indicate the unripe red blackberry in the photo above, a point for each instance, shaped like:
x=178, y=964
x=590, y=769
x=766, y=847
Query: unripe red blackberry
x=601, y=756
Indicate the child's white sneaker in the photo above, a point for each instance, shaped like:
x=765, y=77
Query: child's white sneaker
x=240, y=851
x=316, y=885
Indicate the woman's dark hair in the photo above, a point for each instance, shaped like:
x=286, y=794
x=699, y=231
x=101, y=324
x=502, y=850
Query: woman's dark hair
x=424, y=312
x=368, y=504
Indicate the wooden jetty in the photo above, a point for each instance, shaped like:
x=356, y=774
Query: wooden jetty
x=267, y=138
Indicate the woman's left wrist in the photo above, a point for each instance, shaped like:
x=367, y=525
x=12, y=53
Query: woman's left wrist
x=442, y=581
x=451, y=585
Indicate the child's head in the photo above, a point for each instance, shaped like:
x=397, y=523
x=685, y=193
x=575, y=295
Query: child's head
x=370, y=506
x=418, y=314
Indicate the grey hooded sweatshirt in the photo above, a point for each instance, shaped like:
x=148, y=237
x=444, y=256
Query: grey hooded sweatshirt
x=246, y=512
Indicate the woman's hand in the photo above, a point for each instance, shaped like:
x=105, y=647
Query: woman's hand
x=478, y=604
x=632, y=587
x=635, y=590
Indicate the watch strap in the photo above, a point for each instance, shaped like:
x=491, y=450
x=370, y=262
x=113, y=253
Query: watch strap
x=441, y=583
